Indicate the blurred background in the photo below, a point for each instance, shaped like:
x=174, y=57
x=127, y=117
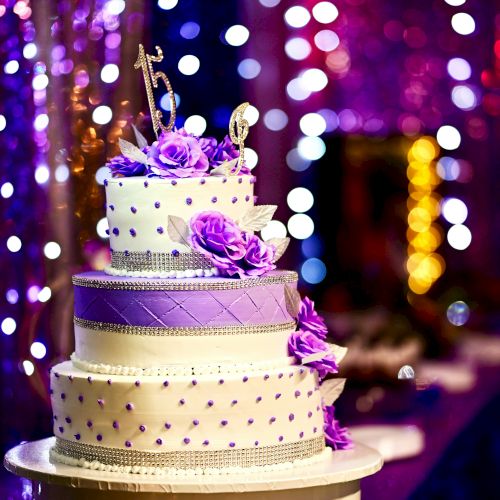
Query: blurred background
x=374, y=127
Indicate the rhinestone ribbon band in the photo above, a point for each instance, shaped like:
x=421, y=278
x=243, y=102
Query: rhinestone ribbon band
x=158, y=262
x=218, y=459
x=187, y=331
x=184, y=285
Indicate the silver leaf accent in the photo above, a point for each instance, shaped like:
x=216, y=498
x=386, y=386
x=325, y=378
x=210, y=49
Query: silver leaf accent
x=257, y=217
x=132, y=152
x=331, y=389
x=281, y=244
x=140, y=139
x=338, y=351
x=292, y=300
x=224, y=169
x=178, y=230
x=314, y=357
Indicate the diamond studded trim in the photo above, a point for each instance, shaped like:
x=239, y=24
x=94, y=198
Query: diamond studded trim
x=186, y=331
x=158, y=261
x=189, y=460
x=181, y=285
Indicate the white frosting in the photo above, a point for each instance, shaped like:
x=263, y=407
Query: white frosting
x=325, y=455
x=284, y=403
x=131, y=205
x=188, y=273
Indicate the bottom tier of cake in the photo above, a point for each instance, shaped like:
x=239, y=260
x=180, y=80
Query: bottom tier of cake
x=210, y=424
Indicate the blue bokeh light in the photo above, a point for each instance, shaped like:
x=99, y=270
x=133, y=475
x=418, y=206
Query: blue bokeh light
x=313, y=271
x=190, y=30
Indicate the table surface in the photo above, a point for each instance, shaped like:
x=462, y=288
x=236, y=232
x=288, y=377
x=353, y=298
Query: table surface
x=31, y=460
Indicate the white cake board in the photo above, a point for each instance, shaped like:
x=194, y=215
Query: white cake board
x=335, y=478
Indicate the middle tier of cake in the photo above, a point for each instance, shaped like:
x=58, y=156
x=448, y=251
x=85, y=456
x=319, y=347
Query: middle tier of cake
x=174, y=327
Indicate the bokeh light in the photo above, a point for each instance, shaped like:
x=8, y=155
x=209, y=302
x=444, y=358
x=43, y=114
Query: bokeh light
x=312, y=124
x=269, y=3
x=8, y=326
x=167, y=4
x=3, y=122
x=458, y=313
x=300, y=226
x=463, y=97
x=454, y=210
x=42, y=174
x=28, y=367
x=448, y=168
x=251, y=115
x=32, y=293
x=249, y=68
x=448, y=137
x=325, y=12
x=14, y=244
x=275, y=119
x=7, y=190
x=195, y=125
x=44, y=294
x=459, y=69
x=110, y=73
x=237, y=35
x=313, y=271
x=459, y=237
x=296, y=90
x=297, y=48
x=311, y=148
x=102, y=115
x=188, y=65
x=314, y=79
x=326, y=40
x=296, y=161
x=297, y=16
x=11, y=67
x=463, y=23
x=190, y=30
x=12, y=296
x=30, y=51
x=52, y=250
x=251, y=158
x=300, y=199
x=38, y=350
x=102, y=227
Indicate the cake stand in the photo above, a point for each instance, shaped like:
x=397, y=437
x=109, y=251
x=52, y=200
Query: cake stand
x=336, y=478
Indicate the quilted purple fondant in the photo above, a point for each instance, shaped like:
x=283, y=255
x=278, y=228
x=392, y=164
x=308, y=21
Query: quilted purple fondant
x=253, y=305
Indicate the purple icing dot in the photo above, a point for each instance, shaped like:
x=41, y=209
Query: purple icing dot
x=129, y=406
x=100, y=402
x=127, y=253
x=256, y=443
x=116, y=425
x=99, y=437
x=280, y=438
x=259, y=399
x=159, y=230
x=56, y=374
x=234, y=199
x=214, y=199
x=221, y=381
x=210, y=403
x=272, y=420
x=245, y=378
x=223, y=422
x=240, y=180
x=315, y=429
x=317, y=408
x=142, y=428
x=175, y=253
x=301, y=435
x=55, y=417
x=70, y=378
x=89, y=379
x=106, y=182
x=128, y=444
x=116, y=231
x=186, y=440
x=120, y=184
x=189, y=201
x=137, y=383
x=232, y=444
x=247, y=197
x=133, y=210
x=234, y=401
x=291, y=417
x=112, y=207
x=159, y=441
x=278, y=395
x=89, y=423
x=174, y=182
x=68, y=420
x=107, y=231
x=309, y=394
x=132, y=232
x=51, y=391
x=309, y=414
x=182, y=401
x=157, y=204
x=202, y=181
x=167, y=425
x=301, y=371
x=266, y=377
x=63, y=396
x=206, y=442
x=250, y=421
x=196, y=421
x=224, y=180
x=80, y=398
x=290, y=375
x=165, y=384
x=109, y=382
x=77, y=437
x=61, y=429
x=146, y=184
x=297, y=393
x=280, y=375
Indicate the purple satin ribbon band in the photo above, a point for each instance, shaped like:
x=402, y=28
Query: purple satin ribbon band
x=263, y=304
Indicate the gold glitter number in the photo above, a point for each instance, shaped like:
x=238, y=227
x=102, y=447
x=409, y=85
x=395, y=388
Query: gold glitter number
x=238, y=131
x=145, y=61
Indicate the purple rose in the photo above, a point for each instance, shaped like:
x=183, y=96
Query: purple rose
x=178, y=154
x=303, y=343
x=259, y=256
x=208, y=146
x=218, y=238
x=121, y=166
x=225, y=151
x=335, y=436
x=308, y=319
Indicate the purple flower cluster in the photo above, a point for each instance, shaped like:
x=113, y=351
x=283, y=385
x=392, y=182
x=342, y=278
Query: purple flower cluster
x=121, y=166
x=335, y=436
x=308, y=319
x=231, y=250
x=304, y=343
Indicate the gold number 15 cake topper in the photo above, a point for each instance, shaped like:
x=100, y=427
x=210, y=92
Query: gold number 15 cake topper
x=238, y=131
x=145, y=61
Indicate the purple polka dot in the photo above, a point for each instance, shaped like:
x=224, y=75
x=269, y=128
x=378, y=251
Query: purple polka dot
x=70, y=378
x=309, y=394
x=107, y=231
x=224, y=180
x=210, y=403
x=232, y=444
x=186, y=440
x=128, y=444
x=297, y=393
x=301, y=371
x=133, y=210
x=277, y=395
x=291, y=417
x=247, y=197
x=309, y=414
x=189, y=201
x=109, y=382
x=100, y=402
x=51, y=391
x=68, y=420
x=61, y=429
x=301, y=435
x=80, y=398
x=99, y=437
x=159, y=230
x=315, y=429
x=129, y=406
x=240, y=180
x=165, y=384
x=196, y=421
x=245, y=378
x=234, y=199
x=174, y=182
x=157, y=204
x=223, y=422
x=272, y=420
x=63, y=396
x=280, y=375
x=250, y=421
x=175, y=253
x=112, y=207
x=206, y=442
x=234, y=401
x=132, y=232
x=120, y=184
x=116, y=231
x=89, y=423
x=55, y=417
x=106, y=182
x=142, y=428
x=116, y=425
x=56, y=375
x=167, y=425
x=221, y=381
x=159, y=441
x=137, y=383
x=127, y=253
x=266, y=377
x=256, y=443
x=214, y=199
x=202, y=181
x=280, y=439
x=182, y=401
x=89, y=379
x=77, y=437
x=146, y=184
x=258, y=399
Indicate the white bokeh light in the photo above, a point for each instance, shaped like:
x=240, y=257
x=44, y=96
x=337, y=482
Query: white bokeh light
x=325, y=12
x=195, y=124
x=62, y=173
x=463, y=23
x=311, y=148
x=300, y=226
x=115, y=7
x=297, y=48
x=251, y=115
x=275, y=119
x=102, y=174
x=14, y=244
x=38, y=350
x=42, y=174
x=297, y=16
x=273, y=229
x=312, y=124
x=102, y=115
x=52, y=250
x=251, y=158
x=7, y=190
x=30, y=51
x=459, y=69
x=448, y=137
x=101, y=228
x=32, y=293
x=249, y=68
x=455, y=3
x=11, y=67
x=454, y=210
x=296, y=90
x=28, y=367
x=300, y=199
x=296, y=161
x=40, y=82
x=448, y=168
x=3, y=122
x=110, y=73
x=12, y=296
x=188, y=64
x=269, y=3
x=463, y=97
x=167, y=4
x=237, y=35
x=41, y=122
x=314, y=79
x=44, y=294
x=459, y=237
x=326, y=40
x=8, y=326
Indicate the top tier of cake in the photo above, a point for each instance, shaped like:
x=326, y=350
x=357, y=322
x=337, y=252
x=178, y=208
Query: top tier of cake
x=138, y=210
